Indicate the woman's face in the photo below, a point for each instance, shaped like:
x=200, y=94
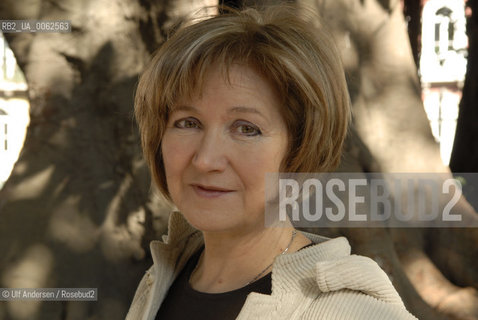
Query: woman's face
x=218, y=146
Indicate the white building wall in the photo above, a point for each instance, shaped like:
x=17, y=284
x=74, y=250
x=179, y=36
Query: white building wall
x=15, y=108
x=443, y=67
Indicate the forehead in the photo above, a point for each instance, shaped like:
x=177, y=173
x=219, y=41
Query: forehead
x=235, y=82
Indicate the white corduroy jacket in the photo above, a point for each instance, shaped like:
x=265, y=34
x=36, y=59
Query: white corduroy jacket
x=319, y=282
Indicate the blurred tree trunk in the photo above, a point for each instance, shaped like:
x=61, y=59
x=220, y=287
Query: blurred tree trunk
x=77, y=211
x=412, y=11
x=464, y=157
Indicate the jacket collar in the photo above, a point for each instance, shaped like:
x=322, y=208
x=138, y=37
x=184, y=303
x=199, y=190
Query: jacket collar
x=179, y=232
x=286, y=271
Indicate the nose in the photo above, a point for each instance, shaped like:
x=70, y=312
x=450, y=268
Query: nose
x=210, y=154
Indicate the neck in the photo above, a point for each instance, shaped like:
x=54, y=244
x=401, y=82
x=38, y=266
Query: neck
x=231, y=261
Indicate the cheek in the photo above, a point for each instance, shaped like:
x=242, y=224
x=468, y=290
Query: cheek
x=260, y=162
x=175, y=157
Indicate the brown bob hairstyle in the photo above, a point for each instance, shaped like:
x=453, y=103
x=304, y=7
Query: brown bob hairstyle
x=299, y=60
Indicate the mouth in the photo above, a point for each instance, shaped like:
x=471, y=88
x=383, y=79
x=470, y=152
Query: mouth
x=210, y=191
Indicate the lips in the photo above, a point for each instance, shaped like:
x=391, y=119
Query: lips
x=208, y=191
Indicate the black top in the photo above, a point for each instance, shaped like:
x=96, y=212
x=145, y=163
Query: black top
x=183, y=302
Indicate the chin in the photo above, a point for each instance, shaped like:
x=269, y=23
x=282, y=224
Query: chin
x=210, y=220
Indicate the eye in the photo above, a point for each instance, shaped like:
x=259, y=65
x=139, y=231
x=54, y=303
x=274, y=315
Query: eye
x=188, y=123
x=247, y=129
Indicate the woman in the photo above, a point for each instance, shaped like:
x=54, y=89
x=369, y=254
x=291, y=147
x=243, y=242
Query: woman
x=223, y=102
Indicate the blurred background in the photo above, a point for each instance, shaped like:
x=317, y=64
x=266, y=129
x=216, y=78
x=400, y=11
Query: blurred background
x=76, y=206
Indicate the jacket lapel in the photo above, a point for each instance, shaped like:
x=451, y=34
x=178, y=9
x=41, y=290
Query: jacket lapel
x=169, y=258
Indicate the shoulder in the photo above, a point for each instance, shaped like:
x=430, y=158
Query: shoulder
x=351, y=304
x=140, y=300
x=356, y=273
x=336, y=283
x=169, y=256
